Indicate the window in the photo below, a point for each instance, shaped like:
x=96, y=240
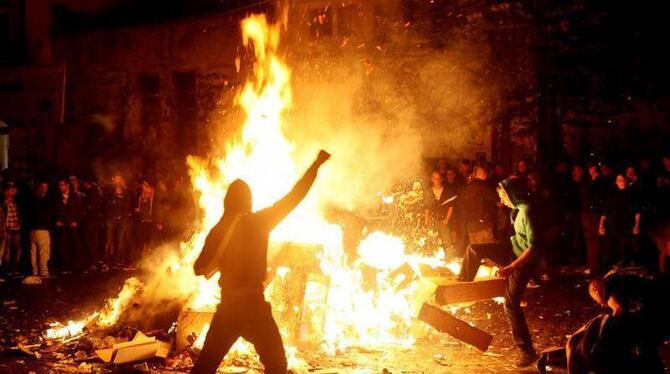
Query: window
x=149, y=87
x=320, y=23
x=186, y=108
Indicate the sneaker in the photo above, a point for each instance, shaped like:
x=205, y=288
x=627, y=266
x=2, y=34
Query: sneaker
x=526, y=359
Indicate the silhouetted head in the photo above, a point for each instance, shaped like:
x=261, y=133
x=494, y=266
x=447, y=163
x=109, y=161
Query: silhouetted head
x=238, y=198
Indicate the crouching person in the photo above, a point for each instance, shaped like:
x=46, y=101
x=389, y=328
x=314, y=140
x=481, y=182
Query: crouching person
x=517, y=259
x=237, y=248
x=627, y=337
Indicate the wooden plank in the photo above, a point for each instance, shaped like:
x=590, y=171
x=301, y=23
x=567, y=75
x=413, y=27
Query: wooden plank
x=453, y=292
x=461, y=330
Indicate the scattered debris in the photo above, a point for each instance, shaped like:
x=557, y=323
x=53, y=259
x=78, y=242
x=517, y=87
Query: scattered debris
x=140, y=348
x=32, y=280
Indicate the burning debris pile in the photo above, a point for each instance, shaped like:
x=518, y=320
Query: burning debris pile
x=329, y=293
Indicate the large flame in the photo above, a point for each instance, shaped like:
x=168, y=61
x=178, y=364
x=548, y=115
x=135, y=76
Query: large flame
x=358, y=302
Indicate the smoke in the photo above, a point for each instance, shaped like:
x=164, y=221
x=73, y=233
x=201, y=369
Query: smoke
x=372, y=144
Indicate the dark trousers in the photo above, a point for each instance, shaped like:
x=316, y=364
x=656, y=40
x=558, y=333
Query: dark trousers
x=247, y=316
x=514, y=289
x=91, y=235
x=575, y=236
x=145, y=233
x=619, y=246
x=68, y=248
x=116, y=243
x=590, y=222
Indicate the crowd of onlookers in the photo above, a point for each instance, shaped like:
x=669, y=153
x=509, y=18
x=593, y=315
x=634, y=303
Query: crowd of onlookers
x=595, y=215
x=72, y=224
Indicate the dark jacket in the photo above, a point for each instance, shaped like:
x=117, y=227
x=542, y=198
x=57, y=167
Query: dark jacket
x=438, y=206
x=620, y=208
x=476, y=204
x=244, y=263
x=118, y=205
x=92, y=206
x=70, y=210
x=42, y=213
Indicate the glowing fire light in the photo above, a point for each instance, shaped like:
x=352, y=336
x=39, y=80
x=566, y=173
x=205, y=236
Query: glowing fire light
x=363, y=306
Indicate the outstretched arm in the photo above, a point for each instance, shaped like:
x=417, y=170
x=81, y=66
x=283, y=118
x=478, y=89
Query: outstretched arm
x=276, y=213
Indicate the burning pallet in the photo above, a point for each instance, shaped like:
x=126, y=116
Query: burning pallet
x=311, y=290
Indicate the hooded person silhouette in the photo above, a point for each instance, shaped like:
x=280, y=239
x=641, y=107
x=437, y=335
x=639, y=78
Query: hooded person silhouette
x=517, y=259
x=237, y=247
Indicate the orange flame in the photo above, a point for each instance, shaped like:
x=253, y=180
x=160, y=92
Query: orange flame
x=262, y=155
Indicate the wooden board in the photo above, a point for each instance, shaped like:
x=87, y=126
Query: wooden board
x=454, y=292
x=461, y=330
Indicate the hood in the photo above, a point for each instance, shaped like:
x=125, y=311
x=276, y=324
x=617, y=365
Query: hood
x=238, y=198
x=516, y=190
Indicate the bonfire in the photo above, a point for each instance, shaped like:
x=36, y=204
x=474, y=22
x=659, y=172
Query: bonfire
x=325, y=300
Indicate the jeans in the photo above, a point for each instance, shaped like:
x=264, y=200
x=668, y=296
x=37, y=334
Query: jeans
x=515, y=286
x=116, y=240
x=67, y=245
x=40, y=252
x=91, y=239
x=248, y=316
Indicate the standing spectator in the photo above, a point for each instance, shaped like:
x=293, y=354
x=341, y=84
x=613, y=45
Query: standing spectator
x=639, y=191
x=42, y=217
x=591, y=195
x=92, y=222
x=464, y=171
x=11, y=245
x=442, y=167
x=476, y=204
x=68, y=216
x=540, y=198
x=607, y=173
x=521, y=170
x=572, y=220
x=75, y=186
x=146, y=223
x=620, y=224
x=117, y=222
x=438, y=210
x=453, y=188
x=499, y=174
